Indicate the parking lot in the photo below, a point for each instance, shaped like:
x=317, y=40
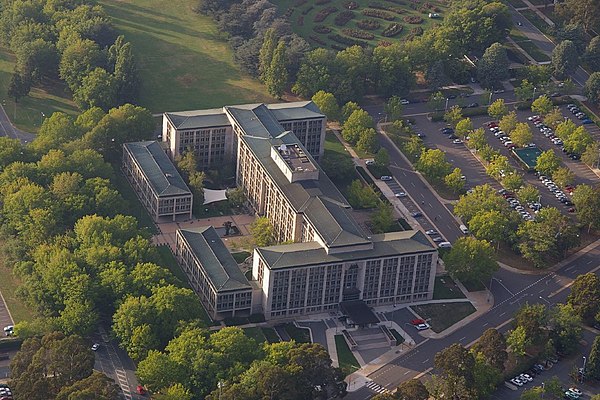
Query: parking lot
x=460, y=156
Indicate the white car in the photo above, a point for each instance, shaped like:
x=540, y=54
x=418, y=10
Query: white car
x=386, y=178
x=400, y=194
x=516, y=381
x=457, y=141
x=576, y=391
x=525, y=378
x=404, y=102
x=95, y=346
x=431, y=232
x=422, y=327
x=9, y=330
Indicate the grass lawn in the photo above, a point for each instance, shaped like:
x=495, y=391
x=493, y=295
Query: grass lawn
x=270, y=335
x=300, y=335
x=28, y=112
x=240, y=256
x=18, y=309
x=474, y=286
x=132, y=203
x=443, y=315
x=536, y=20
x=333, y=145
x=528, y=46
x=517, y=3
x=185, y=62
x=398, y=336
x=346, y=359
x=445, y=288
x=302, y=14
x=256, y=334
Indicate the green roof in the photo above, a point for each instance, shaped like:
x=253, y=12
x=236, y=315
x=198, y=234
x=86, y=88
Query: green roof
x=296, y=110
x=158, y=168
x=311, y=253
x=216, y=260
x=528, y=155
x=198, y=118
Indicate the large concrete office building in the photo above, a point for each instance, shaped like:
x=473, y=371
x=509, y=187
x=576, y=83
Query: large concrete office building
x=156, y=181
x=330, y=259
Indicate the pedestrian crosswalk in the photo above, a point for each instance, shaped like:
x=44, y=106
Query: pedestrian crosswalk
x=122, y=378
x=377, y=388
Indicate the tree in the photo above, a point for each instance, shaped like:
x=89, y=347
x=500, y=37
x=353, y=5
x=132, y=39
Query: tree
x=535, y=393
x=78, y=59
x=477, y=139
x=383, y=218
x=471, y=260
x=432, y=163
x=436, y=101
x=98, y=89
x=565, y=129
x=338, y=167
x=542, y=105
x=492, y=345
x=592, y=54
x=566, y=327
x=187, y=162
x=485, y=376
x=327, y=104
x=593, y=361
x=159, y=371
x=393, y=108
x=265, y=57
x=554, y=118
x=277, y=74
x=493, y=66
x=262, y=232
x=517, y=341
x=382, y=157
x=553, y=386
x=563, y=176
x=391, y=71
x=565, y=59
x=96, y=386
x=508, y=122
x=521, y=135
x=591, y=155
x=483, y=198
x=367, y=141
x=547, y=162
x=497, y=109
x=126, y=73
x=196, y=181
x=528, y=194
x=455, y=363
x=348, y=109
x=453, y=115
x=583, y=12
x=587, y=202
x=512, y=181
x=585, y=296
x=412, y=389
x=464, y=127
x=454, y=180
x=592, y=88
x=490, y=225
x=538, y=74
x=578, y=141
x=414, y=146
x=498, y=166
x=356, y=123
x=18, y=87
x=362, y=196
x=525, y=90
x=55, y=131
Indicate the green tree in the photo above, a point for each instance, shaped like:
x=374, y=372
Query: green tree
x=535, y=393
x=327, y=104
x=316, y=73
x=565, y=129
x=563, y=176
x=356, y=123
x=585, y=296
x=454, y=180
x=262, y=232
x=391, y=71
x=348, y=109
x=436, y=101
x=277, y=74
x=187, y=162
x=265, y=56
x=587, y=202
x=196, y=180
x=528, y=194
x=593, y=360
x=393, y=108
x=585, y=13
x=564, y=59
x=517, y=341
x=477, y=139
x=566, y=327
x=414, y=146
x=382, y=219
x=177, y=392
x=512, y=181
x=159, y=371
x=509, y=122
x=538, y=74
x=525, y=90
x=553, y=118
x=96, y=386
x=490, y=225
x=553, y=386
x=483, y=198
x=453, y=115
x=361, y=196
x=492, y=345
x=547, y=162
x=592, y=54
x=456, y=363
x=493, y=66
x=18, y=87
x=591, y=155
x=521, y=135
x=471, y=260
x=367, y=141
x=55, y=131
x=98, y=89
x=486, y=377
x=432, y=163
x=464, y=127
x=542, y=105
x=338, y=167
x=78, y=59
x=413, y=389
x=382, y=157
x=237, y=197
x=498, y=166
x=497, y=109
x=578, y=141
x=126, y=73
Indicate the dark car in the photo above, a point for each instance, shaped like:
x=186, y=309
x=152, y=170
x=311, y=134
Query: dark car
x=417, y=214
x=451, y=96
x=473, y=105
x=447, y=130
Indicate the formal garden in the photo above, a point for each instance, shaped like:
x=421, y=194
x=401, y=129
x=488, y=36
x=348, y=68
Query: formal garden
x=337, y=24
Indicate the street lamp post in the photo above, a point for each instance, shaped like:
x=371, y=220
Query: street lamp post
x=534, y=89
x=546, y=300
x=220, y=385
x=446, y=108
x=490, y=99
x=42, y=116
x=583, y=369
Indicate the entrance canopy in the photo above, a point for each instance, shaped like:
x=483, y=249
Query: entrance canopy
x=359, y=312
x=212, y=196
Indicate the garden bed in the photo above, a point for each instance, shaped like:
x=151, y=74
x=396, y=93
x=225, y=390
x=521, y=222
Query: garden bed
x=346, y=359
x=441, y=316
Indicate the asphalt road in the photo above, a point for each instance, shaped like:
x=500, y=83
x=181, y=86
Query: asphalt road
x=549, y=288
x=8, y=130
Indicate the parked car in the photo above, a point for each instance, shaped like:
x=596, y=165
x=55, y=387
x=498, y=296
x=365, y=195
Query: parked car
x=417, y=214
x=404, y=102
x=473, y=105
x=445, y=245
x=587, y=121
x=422, y=327
x=438, y=239
x=95, y=346
x=457, y=141
x=516, y=381
x=9, y=330
x=386, y=178
x=431, y=232
x=400, y=194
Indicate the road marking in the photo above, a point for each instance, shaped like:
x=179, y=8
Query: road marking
x=424, y=362
x=407, y=372
x=486, y=324
x=462, y=338
x=541, y=290
x=589, y=262
x=502, y=314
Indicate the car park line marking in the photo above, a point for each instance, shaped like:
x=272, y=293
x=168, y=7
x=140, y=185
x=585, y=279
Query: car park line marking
x=462, y=338
x=425, y=362
x=501, y=315
x=407, y=372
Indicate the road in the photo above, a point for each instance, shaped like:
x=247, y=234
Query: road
x=8, y=130
x=549, y=288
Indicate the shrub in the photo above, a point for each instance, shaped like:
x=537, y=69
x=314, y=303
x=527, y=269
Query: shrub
x=413, y=19
x=321, y=2
x=384, y=43
x=337, y=47
x=369, y=12
x=300, y=20
x=324, y=13
x=299, y=3
x=317, y=40
x=288, y=13
x=385, y=7
x=342, y=18
x=392, y=30
x=346, y=40
x=350, y=5
x=368, y=24
x=357, y=33
x=416, y=31
x=322, y=29
x=307, y=10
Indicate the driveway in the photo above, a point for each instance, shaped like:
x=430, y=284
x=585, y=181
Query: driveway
x=7, y=129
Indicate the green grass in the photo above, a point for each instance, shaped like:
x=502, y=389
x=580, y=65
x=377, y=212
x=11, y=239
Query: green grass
x=270, y=335
x=132, y=203
x=46, y=99
x=346, y=359
x=18, y=309
x=443, y=315
x=305, y=29
x=398, y=336
x=474, y=286
x=528, y=46
x=300, y=335
x=517, y=3
x=333, y=145
x=185, y=62
x=256, y=334
x=536, y=20
x=445, y=288
x=240, y=256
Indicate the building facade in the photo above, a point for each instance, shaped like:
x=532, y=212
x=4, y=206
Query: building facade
x=213, y=273
x=156, y=181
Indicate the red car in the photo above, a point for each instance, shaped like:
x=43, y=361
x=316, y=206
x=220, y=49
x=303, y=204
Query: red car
x=417, y=321
x=492, y=124
x=140, y=390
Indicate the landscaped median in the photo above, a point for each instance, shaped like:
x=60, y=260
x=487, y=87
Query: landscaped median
x=346, y=360
x=441, y=316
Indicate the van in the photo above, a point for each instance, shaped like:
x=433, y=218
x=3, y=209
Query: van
x=445, y=245
x=464, y=229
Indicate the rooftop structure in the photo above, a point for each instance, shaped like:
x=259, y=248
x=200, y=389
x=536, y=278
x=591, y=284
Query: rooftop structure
x=527, y=156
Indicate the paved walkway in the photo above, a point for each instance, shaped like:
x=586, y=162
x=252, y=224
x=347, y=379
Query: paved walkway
x=536, y=9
